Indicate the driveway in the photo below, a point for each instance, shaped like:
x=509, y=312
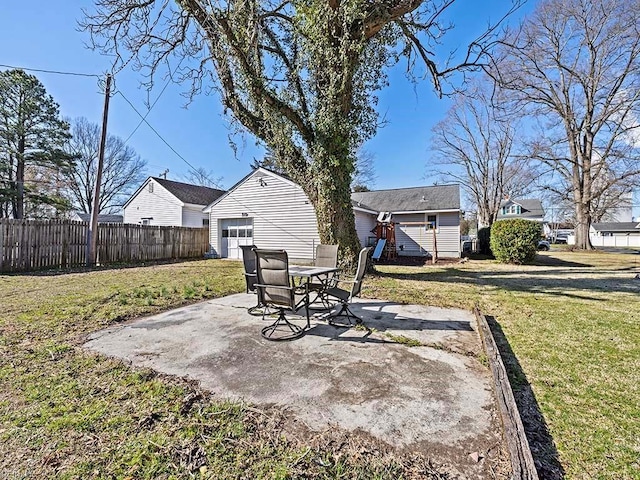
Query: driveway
x=435, y=398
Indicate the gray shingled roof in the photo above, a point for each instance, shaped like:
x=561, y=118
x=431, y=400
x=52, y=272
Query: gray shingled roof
x=102, y=218
x=188, y=193
x=531, y=208
x=414, y=199
x=617, y=227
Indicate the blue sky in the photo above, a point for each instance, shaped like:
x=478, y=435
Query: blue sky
x=44, y=35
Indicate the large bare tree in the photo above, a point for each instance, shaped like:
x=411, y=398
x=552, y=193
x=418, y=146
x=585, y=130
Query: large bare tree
x=122, y=172
x=300, y=76
x=474, y=146
x=575, y=65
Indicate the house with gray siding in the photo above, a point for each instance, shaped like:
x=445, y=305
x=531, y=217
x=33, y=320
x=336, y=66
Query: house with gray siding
x=426, y=218
x=159, y=201
x=271, y=211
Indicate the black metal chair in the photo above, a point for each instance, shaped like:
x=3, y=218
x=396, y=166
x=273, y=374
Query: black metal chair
x=275, y=291
x=345, y=297
x=250, y=275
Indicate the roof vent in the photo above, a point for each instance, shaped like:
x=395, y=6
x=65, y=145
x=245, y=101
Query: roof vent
x=423, y=199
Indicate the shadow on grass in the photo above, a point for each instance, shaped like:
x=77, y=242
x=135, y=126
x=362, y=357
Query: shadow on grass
x=548, y=260
x=561, y=282
x=543, y=448
x=49, y=272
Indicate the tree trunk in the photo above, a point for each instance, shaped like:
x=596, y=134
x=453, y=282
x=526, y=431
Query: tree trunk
x=19, y=201
x=330, y=194
x=583, y=222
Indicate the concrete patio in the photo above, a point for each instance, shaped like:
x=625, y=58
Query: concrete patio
x=435, y=399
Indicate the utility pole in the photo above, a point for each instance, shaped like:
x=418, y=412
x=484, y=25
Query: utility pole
x=93, y=226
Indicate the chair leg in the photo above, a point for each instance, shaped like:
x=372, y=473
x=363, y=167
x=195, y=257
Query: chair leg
x=269, y=331
x=346, y=312
x=258, y=310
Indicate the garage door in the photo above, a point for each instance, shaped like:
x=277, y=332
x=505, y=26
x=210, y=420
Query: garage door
x=236, y=232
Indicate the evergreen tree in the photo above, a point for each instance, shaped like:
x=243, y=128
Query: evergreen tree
x=32, y=135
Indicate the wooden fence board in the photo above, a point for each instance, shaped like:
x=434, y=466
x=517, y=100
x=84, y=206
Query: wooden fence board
x=27, y=245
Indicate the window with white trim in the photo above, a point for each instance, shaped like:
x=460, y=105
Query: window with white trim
x=512, y=209
x=432, y=222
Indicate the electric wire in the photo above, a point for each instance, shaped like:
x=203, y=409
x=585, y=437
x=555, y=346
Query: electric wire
x=55, y=72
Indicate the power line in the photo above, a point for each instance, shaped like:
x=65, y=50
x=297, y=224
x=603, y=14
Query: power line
x=152, y=105
x=56, y=72
x=229, y=194
x=161, y=137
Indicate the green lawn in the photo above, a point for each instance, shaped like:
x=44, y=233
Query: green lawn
x=573, y=324
x=66, y=413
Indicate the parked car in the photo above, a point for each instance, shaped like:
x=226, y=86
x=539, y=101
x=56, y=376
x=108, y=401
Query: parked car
x=544, y=245
x=560, y=239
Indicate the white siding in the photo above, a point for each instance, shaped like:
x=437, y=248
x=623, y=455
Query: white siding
x=617, y=239
x=160, y=205
x=412, y=237
x=365, y=222
x=192, y=216
x=283, y=217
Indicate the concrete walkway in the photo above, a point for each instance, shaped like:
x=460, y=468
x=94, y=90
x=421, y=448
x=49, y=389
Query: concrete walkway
x=435, y=398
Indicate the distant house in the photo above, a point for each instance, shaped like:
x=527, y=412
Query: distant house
x=529, y=209
x=271, y=211
x=165, y=202
x=615, y=234
x=102, y=217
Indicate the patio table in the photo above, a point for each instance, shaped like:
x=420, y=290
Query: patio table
x=307, y=273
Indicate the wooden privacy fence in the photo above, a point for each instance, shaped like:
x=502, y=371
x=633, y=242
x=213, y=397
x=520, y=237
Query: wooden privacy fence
x=27, y=245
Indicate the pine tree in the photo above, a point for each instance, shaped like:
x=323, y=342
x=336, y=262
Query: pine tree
x=32, y=136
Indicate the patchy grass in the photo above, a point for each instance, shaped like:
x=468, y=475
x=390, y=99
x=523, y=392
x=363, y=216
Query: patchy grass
x=69, y=414
x=403, y=340
x=572, y=321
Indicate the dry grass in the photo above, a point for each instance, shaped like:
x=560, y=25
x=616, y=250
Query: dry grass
x=573, y=323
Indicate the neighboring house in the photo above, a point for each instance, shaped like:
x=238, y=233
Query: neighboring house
x=417, y=213
x=102, y=217
x=165, y=202
x=271, y=211
x=615, y=234
x=529, y=209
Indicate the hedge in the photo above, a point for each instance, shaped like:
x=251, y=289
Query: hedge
x=515, y=240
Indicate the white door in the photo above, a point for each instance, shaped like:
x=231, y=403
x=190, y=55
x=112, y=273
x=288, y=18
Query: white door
x=235, y=233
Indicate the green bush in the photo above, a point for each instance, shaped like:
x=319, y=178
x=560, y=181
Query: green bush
x=515, y=240
x=484, y=237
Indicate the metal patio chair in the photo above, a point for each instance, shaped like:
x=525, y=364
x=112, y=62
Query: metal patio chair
x=276, y=291
x=326, y=256
x=250, y=275
x=345, y=297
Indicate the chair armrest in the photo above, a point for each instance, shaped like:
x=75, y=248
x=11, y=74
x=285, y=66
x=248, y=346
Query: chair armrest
x=274, y=286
